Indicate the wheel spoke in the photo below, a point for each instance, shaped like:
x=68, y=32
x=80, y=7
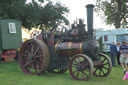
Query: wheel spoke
x=27, y=47
x=32, y=49
x=95, y=70
x=38, y=56
x=75, y=61
x=77, y=75
x=106, y=64
x=75, y=71
x=102, y=71
x=27, y=63
x=106, y=68
x=85, y=73
x=104, y=60
x=74, y=65
x=36, y=50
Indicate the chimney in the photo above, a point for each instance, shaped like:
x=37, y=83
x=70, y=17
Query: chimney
x=90, y=20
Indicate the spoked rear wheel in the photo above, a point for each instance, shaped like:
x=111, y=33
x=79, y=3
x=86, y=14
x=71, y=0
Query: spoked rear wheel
x=34, y=57
x=81, y=67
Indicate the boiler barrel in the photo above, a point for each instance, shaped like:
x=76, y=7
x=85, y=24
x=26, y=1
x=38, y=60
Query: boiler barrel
x=69, y=49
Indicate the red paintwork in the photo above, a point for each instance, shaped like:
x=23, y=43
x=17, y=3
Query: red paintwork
x=10, y=53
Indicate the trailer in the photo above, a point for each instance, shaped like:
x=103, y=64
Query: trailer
x=10, y=37
x=109, y=36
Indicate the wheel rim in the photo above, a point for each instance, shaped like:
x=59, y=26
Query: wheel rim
x=81, y=67
x=32, y=57
x=105, y=68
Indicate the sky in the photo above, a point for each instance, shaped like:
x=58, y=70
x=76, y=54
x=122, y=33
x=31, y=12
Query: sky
x=78, y=10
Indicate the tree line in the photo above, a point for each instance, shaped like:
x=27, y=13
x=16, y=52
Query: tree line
x=42, y=13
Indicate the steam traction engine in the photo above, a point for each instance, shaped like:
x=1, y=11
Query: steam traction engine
x=60, y=49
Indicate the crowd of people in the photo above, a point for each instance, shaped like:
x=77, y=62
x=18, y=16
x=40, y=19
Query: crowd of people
x=119, y=51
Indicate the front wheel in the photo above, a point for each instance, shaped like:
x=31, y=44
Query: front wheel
x=81, y=67
x=104, y=68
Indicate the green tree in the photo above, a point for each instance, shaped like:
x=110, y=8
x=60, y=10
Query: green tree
x=115, y=12
x=42, y=14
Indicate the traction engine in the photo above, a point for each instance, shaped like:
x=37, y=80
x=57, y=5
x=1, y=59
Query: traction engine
x=62, y=48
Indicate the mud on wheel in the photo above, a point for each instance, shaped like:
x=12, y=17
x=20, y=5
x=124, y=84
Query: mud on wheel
x=34, y=57
x=81, y=67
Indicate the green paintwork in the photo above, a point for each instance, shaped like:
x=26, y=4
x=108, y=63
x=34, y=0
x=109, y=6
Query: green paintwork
x=10, y=40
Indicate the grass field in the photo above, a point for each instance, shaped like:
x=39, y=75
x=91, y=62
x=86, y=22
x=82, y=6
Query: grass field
x=10, y=74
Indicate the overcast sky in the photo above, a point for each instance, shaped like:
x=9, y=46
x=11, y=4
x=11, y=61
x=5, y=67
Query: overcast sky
x=78, y=10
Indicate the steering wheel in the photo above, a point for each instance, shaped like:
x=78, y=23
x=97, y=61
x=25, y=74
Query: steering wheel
x=34, y=34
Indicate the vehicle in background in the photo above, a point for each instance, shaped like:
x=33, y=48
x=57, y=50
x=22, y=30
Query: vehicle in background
x=10, y=38
x=109, y=36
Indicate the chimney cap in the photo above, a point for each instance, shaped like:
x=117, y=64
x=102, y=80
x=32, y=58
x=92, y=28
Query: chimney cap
x=90, y=5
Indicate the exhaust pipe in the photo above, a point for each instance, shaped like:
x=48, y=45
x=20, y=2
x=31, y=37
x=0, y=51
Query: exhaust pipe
x=90, y=20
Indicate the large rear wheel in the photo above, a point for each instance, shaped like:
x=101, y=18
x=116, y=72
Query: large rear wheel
x=34, y=57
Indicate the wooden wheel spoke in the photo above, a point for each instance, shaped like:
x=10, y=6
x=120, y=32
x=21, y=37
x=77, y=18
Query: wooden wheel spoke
x=105, y=63
x=74, y=71
x=29, y=54
x=103, y=72
x=38, y=56
x=104, y=59
x=75, y=61
x=28, y=63
x=36, y=50
x=77, y=75
x=106, y=68
x=28, y=48
x=83, y=73
x=74, y=65
x=95, y=70
x=32, y=49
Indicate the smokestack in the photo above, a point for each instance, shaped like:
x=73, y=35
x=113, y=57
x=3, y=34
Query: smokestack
x=90, y=20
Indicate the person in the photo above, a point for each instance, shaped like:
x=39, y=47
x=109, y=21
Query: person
x=124, y=56
x=113, y=51
x=118, y=52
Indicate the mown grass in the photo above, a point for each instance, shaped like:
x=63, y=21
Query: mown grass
x=11, y=74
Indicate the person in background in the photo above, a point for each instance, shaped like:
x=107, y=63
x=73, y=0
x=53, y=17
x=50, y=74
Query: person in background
x=124, y=56
x=113, y=51
x=118, y=52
